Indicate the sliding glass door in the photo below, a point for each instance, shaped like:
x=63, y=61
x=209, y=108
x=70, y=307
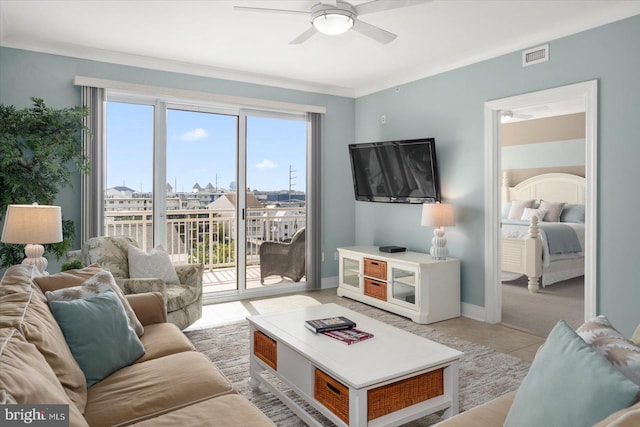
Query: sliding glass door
x=197, y=180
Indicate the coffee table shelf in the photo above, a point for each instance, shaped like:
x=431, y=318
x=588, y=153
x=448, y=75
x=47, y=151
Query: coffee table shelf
x=421, y=371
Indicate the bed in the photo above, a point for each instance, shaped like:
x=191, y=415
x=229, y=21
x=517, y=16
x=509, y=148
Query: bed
x=546, y=249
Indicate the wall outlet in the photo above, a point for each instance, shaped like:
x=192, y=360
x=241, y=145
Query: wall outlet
x=383, y=119
x=322, y=256
x=335, y=256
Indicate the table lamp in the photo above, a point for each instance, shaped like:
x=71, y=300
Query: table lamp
x=438, y=215
x=33, y=225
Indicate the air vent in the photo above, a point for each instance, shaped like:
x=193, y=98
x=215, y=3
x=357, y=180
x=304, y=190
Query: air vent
x=535, y=55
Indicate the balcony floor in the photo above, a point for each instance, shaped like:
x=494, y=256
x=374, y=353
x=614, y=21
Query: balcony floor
x=225, y=279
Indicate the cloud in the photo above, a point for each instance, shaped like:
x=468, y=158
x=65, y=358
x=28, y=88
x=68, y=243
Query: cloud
x=194, y=135
x=265, y=164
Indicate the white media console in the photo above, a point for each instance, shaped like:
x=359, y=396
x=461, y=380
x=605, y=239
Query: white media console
x=410, y=284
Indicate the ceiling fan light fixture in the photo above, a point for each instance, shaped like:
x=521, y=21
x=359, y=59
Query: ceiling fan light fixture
x=333, y=20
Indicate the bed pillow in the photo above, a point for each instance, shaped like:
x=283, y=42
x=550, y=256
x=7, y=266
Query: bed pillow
x=505, y=210
x=518, y=207
x=98, y=334
x=569, y=384
x=99, y=283
x=155, y=263
x=529, y=212
x=554, y=209
x=600, y=335
x=573, y=213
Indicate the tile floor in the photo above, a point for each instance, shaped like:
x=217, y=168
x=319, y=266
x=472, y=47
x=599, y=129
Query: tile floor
x=498, y=337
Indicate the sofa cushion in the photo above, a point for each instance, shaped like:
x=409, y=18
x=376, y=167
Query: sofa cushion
x=628, y=417
x=155, y=263
x=600, y=334
x=99, y=283
x=67, y=278
x=492, y=413
x=180, y=296
x=26, y=378
x=153, y=388
x=569, y=384
x=24, y=307
x=163, y=339
x=229, y=410
x=98, y=334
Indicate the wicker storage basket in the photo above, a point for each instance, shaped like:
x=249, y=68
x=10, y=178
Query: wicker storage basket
x=395, y=396
x=375, y=268
x=266, y=349
x=375, y=289
x=332, y=395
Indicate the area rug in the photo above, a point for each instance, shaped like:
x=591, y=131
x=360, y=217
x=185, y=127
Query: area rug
x=484, y=373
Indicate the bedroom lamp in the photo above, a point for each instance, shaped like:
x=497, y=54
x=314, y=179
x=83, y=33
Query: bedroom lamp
x=33, y=225
x=438, y=215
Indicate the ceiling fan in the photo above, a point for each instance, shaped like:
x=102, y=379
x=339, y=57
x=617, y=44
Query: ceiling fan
x=335, y=17
x=508, y=115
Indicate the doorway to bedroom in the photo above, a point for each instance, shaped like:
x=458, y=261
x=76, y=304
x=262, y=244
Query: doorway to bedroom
x=550, y=162
x=542, y=158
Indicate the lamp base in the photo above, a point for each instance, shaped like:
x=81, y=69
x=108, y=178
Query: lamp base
x=34, y=257
x=439, y=250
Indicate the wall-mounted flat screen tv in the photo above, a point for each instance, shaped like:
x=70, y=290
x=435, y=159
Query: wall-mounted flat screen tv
x=396, y=171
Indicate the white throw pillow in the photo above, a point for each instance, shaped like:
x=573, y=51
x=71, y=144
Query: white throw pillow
x=155, y=263
x=529, y=212
x=518, y=207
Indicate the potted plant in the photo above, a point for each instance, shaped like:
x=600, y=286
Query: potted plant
x=37, y=146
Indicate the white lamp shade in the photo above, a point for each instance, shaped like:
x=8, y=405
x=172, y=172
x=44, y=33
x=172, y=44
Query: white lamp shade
x=32, y=224
x=437, y=215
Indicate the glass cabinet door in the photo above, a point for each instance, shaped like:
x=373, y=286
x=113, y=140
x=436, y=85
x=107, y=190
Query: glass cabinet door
x=350, y=272
x=403, y=286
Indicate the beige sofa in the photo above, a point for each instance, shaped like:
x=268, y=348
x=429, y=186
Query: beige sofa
x=494, y=413
x=171, y=384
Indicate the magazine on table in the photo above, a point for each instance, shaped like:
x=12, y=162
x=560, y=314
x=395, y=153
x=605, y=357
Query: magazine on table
x=349, y=336
x=329, y=324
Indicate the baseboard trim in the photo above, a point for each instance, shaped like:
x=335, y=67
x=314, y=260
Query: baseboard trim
x=329, y=282
x=474, y=312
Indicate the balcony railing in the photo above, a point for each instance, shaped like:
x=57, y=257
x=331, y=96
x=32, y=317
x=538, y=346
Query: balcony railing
x=208, y=236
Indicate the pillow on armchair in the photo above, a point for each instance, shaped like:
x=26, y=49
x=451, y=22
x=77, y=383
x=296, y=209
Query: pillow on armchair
x=155, y=263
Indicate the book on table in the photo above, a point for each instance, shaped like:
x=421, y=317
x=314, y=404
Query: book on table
x=329, y=324
x=349, y=336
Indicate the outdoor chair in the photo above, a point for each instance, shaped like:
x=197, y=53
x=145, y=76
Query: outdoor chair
x=183, y=300
x=284, y=259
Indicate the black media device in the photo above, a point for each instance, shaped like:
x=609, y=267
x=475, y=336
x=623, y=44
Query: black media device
x=392, y=249
x=396, y=171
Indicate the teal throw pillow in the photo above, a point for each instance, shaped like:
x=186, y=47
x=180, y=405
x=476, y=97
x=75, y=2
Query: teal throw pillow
x=98, y=333
x=569, y=384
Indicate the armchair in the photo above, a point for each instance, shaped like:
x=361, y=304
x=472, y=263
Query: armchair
x=284, y=259
x=183, y=301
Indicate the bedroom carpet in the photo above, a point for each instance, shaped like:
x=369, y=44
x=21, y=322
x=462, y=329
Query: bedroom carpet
x=538, y=313
x=484, y=373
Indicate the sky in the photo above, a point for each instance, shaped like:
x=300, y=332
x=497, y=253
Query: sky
x=202, y=148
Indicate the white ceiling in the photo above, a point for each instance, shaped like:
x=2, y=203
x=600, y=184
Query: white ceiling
x=210, y=38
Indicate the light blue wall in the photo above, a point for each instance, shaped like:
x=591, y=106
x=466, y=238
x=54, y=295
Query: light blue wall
x=26, y=74
x=449, y=107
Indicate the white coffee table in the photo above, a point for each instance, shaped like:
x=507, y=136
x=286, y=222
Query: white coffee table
x=388, y=380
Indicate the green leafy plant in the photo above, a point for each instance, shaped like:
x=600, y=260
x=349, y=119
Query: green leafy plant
x=37, y=147
x=72, y=265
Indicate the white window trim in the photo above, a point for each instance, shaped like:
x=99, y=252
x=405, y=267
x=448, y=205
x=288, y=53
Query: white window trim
x=172, y=94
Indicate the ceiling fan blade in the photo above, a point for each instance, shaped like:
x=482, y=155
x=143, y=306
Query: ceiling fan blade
x=266, y=10
x=376, y=33
x=304, y=36
x=381, y=5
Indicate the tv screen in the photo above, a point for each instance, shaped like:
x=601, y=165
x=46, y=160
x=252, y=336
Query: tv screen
x=396, y=171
